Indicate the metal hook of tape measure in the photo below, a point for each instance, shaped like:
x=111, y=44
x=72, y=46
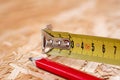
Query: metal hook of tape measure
x=49, y=41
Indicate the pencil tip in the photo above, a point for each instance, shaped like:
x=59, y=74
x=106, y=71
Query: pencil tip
x=30, y=59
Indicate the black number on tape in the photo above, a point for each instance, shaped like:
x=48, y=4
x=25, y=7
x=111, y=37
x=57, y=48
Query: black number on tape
x=93, y=47
x=82, y=45
x=103, y=48
x=115, y=48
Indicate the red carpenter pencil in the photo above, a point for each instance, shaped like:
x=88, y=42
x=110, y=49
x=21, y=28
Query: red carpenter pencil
x=62, y=70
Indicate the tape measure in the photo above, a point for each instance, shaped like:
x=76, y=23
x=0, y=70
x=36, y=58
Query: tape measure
x=84, y=47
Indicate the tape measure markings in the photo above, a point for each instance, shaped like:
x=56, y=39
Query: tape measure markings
x=84, y=46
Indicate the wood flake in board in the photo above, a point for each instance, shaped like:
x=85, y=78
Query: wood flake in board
x=6, y=43
x=114, y=78
x=91, y=66
x=13, y=74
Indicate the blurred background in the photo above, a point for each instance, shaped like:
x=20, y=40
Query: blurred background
x=94, y=17
x=21, y=22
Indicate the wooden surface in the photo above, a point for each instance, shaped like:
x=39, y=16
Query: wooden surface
x=20, y=35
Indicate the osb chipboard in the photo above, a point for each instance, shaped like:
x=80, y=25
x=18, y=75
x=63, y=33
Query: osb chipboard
x=20, y=34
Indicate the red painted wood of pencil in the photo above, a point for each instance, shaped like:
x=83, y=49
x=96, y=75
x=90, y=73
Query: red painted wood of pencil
x=62, y=70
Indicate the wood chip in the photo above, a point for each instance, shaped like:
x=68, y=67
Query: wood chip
x=14, y=74
x=91, y=67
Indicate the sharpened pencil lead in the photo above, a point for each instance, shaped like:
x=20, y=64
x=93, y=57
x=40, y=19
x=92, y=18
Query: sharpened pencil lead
x=30, y=59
